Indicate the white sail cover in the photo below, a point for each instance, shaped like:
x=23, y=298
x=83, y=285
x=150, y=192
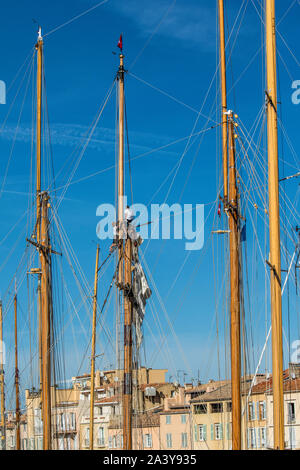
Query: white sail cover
x=141, y=292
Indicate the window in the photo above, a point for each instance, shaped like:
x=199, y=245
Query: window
x=101, y=441
x=184, y=442
x=38, y=428
x=60, y=443
x=263, y=437
x=40, y=443
x=168, y=419
x=200, y=409
x=183, y=419
x=87, y=437
x=252, y=438
x=216, y=408
x=229, y=407
x=169, y=440
x=218, y=432
x=291, y=412
x=262, y=410
x=62, y=422
x=292, y=437
x=32, y=443
x=148, y=440
x=251, y=409
x=76, y=446
x=72, y=421
x=202, y=432
x=24, y=444
x=12, y=441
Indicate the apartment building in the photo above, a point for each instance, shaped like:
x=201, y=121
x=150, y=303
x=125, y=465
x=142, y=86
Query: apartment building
x=211, y=418
x=71, y=407
x=291, y=393
x=145, y=432
x=165, y=415
x=10, y=431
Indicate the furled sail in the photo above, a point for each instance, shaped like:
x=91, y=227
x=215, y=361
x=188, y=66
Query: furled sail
x=141, y=293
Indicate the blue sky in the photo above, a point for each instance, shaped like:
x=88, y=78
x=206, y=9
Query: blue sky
x=172, y=47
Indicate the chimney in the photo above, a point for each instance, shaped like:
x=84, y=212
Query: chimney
x=166, y=404
x=97, y=379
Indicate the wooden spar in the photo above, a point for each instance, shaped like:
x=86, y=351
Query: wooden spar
x=274, y=227
x=231, y=207
x=39, y=302
x=45, y=254
x=92, y=398
x=124, y=276
x=44, y=282
x=127, y=395
x=235, y=340
x=121, y=142
x=224, y=99
x=2, y=391
x=17, y=391
x=39, y=47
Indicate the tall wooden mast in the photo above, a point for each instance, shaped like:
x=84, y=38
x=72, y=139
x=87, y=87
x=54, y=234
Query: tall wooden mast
x=224, y=98
x=39, y=47
x=44, y=248
x=2, y=391
x=125, y=278
x=45, y=254
x=231, y=207
x=92, y=399
x=127, y=393
x=234, y=243
x=274, y=227
x=17, y=385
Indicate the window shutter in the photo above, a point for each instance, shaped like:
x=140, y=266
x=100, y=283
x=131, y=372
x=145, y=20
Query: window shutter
x=264, y=408
x=204, y=432
x=196, y=432
x=221, y=431
x=212, y=432
x=258, y=414
x=258, y=438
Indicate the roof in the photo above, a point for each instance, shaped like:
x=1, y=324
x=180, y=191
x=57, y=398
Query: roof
x=221, y=393
x=145, y=420
x=155, y=385
x=107, y=400
x=289, y=385
x=178, y=409
x=203, y=387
